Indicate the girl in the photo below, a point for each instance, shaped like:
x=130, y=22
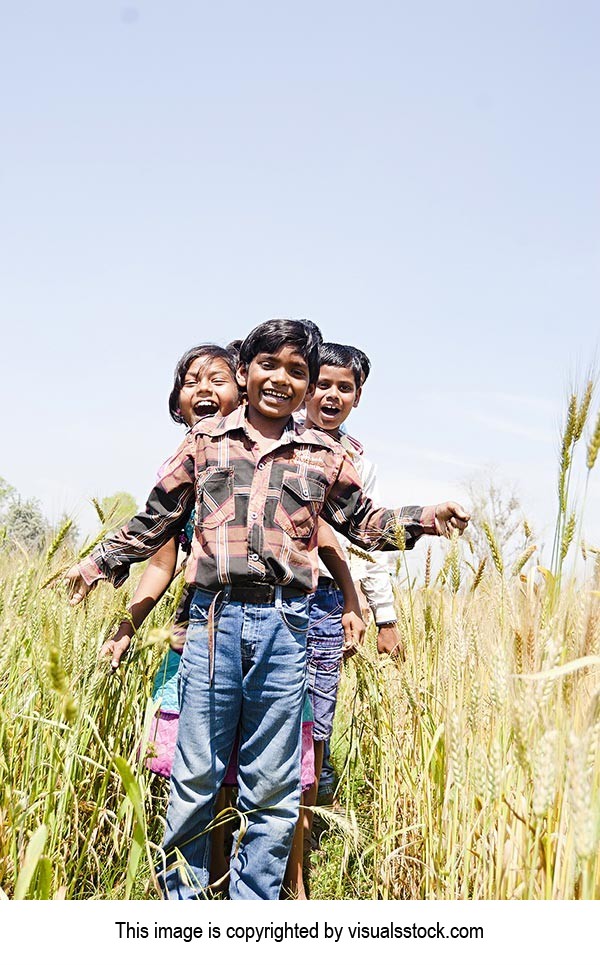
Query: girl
x=204, y=384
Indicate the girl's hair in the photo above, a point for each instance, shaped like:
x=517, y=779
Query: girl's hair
x=271, y=336
x=208, y=350
x=234, y=351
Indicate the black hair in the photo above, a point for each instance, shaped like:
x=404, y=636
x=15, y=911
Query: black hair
x=271, y=336
x=346, y=357
x=234, y=350
x=198, y=351
x=365, y=362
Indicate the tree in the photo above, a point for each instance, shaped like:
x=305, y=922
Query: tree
x=21, y=520
x=7, y=493
x=25, y=523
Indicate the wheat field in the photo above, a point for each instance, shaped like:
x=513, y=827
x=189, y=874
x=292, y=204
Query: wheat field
x=469, y=770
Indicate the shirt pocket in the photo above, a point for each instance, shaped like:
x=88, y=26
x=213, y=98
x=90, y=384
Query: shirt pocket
x=215, y=501
x=300, y=503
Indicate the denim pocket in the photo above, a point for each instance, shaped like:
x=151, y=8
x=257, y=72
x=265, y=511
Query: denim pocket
x=294, y=613
x=200, y=605
x=325, y=653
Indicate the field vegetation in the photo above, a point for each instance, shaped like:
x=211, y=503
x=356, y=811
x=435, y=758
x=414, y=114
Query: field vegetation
x=469, y=770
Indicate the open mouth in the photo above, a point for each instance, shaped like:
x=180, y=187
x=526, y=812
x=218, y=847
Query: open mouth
x=330, y=411
x=205, y=407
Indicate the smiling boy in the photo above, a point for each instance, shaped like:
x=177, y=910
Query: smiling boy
x=259, y=482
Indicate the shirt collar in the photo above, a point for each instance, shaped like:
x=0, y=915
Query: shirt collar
x=215, y=426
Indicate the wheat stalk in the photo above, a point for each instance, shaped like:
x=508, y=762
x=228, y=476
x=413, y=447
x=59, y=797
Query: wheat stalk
x=58, y=539
x=361, y=554
x=582, y=412
x=478, y=575
x=428, y=567
x=494, y=549
x=567, y=537
x=100, y=512
x=523, y=559
x=593, y=445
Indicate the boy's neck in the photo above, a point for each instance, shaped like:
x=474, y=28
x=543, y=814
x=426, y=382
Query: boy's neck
x=334, y=433
x=265, y=429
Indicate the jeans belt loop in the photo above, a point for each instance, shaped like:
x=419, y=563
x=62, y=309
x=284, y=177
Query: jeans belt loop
x=278, y=597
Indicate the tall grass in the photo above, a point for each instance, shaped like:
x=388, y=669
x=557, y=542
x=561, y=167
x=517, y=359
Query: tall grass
x=69, y=735
x=470, y=770
x=474, y=768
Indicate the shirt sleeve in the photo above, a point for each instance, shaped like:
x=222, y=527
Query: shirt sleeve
x=348, y=509
x=167, y=509
x=376, y=583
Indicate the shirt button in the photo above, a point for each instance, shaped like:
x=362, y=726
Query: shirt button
x=260, y=465
x=253, y=556
x=253, y=515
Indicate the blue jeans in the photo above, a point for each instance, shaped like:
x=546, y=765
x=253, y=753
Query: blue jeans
x=328, y=777
x=324, y=647
x=258, y=686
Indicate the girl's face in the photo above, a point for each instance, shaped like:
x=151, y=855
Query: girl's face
x=208, y=388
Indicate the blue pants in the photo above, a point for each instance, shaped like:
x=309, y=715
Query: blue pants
x=258, y=686
x=324, y=647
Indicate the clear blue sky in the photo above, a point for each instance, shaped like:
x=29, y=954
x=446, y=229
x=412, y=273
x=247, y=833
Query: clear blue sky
x=420, y=179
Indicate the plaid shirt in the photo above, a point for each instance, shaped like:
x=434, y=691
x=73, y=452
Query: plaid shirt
x=256, y=514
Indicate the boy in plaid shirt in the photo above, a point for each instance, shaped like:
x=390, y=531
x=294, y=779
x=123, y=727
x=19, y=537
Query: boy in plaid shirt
x=259, y=481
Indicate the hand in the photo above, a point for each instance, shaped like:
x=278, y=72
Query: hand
x=118, y=646
x=77, y=587
x=389, y=641
x=450, y=517
x=354, y=631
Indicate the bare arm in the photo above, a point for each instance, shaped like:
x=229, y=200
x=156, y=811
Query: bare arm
x=332, y=555
x=156, y=578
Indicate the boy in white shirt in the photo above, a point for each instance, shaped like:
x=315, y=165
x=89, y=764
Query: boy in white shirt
x=342, y=374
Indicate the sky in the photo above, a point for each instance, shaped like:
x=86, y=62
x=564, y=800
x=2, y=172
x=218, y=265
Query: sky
x=421, y=180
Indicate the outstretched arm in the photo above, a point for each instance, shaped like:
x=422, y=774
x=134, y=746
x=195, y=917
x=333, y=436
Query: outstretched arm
x=169, y=504
x=332, y=555
x=350, y=511
x=155, y=579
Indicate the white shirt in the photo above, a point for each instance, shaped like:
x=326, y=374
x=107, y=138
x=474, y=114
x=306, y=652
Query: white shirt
x=374, y=578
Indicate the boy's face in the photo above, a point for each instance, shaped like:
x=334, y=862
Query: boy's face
x=276, y=382
x=334, y=398
x=208, y=387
